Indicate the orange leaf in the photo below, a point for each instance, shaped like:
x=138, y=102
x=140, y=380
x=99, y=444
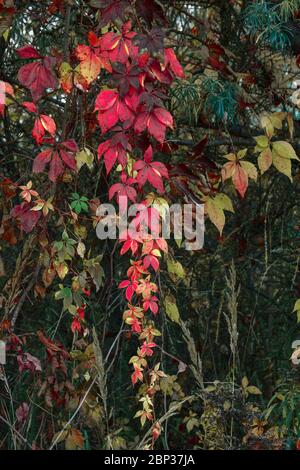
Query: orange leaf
x=240, y=180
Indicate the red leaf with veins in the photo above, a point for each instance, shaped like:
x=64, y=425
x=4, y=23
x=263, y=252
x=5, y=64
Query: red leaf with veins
x=91, y=58
x=41, y=161
x=137, y=375
x=151, y=304
x=172, y=61
x=155, y=121
x=146, y=349
x=42, y=124
x=240, y=180
x=111, y=9
x=126, y=76
x=112, y=109
x=123, y=189
x=28, y=52
x=38, y=76
x=68, y=159
x=130, y=287
x=28, y=218
x=114, y=150
x=153, y=40
x=70, y=145
x=151, y=260
x=58, y=159
x=119, y=46
x=48, y=124
x=154, y=172
x=56, y=167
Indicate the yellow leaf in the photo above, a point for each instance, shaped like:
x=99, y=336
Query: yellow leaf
x=297, y=310
x=231, y=157
x=276, y=119
x=241, y=153
x=90, y=68
x=283, y=165
x=285, y=150
x=81, y=249
x=171, y=308
x=224, y=202
x=85, y=157
x=228, y=170
x=216, y=214
x=245, y=382
x=262, y=141
x=65, y=69
x=5, y=34
x=265, y=160
x=266, y=124
x=297, y=305
x=253, y=390
x=61, y=269
x=250, y=169
x=226, y=405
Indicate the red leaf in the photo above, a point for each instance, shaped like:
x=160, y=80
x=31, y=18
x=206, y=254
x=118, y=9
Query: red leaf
x=42, y=124
x=111, y=110
x=22, y=412
x=240, y=180
x=171, y=59
x=68, y=159
x=38, y=76
x=119, y=47
x=5, y=89
x=123, y=189
x=137, y=375
x=151, y=171
x=111, y=10
x=164, y=116
x=156, y=122
x=56, y=167
x=90, y=64
x=216, y=63
x=105, y=100
x=41, y=161
x=48, y=124
x=28, y=218
x=70, y=145
x=31, y=107
x=38, y=131
x=28, y=52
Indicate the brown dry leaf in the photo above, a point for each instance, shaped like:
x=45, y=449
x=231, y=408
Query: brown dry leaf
x=74, y=440
x=39, y=291
x=48, y=276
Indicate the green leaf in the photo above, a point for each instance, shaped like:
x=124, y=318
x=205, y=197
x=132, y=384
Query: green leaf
x=171, y=308
x=85, y=157
x=224, y=202
x=175, y=267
